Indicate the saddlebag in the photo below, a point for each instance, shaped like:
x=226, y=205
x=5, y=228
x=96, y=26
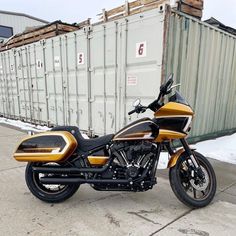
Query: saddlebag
x=51, y=146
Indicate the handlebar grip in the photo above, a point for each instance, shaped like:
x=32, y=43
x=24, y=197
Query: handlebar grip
x=131, y=112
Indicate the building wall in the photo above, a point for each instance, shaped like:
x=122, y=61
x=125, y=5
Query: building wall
x=19, y=23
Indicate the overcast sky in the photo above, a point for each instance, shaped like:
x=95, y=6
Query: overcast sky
x=78, y=10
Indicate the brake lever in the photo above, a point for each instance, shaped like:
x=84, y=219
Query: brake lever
x=141, y=109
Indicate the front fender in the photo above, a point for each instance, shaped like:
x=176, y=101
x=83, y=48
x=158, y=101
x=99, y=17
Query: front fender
x=175, y=157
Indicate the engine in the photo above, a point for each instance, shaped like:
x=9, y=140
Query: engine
x=134, y=157
x=132, y=161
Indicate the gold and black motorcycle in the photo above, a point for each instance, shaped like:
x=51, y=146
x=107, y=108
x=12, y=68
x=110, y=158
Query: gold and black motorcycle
x=60, y=160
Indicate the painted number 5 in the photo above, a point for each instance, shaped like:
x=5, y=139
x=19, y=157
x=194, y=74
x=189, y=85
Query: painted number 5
x=80, y=58
x=141, y=49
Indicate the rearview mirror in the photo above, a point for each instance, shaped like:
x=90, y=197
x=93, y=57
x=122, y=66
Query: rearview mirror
x=136, y=102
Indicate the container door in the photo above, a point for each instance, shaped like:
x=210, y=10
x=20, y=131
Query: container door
x=38, y=83
x=11, y=84
x=140, y=61
x=75, y=49
x=3, y=87
x=25, y=99
x=103, y=53
x=2, y=98
x=56, y=84
x=79, y=86
x=34, y=65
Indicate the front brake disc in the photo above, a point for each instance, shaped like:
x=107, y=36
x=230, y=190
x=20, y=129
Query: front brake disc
x=201, y=186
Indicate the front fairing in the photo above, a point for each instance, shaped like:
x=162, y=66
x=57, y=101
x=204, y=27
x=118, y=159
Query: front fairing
x=178, y=98
x=174, y=109
x=174, y=120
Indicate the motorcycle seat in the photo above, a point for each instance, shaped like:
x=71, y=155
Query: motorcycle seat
x=85, y=145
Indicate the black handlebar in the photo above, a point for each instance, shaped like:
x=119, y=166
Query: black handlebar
x=131, y=112
x=138, y=109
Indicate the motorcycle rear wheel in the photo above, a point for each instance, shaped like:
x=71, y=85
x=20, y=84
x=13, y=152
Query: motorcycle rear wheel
x=191, y=193
x=47, y=193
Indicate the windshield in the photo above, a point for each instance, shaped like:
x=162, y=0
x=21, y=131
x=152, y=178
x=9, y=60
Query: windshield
x=177, y=97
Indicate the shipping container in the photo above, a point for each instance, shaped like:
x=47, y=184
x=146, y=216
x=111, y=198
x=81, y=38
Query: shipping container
x=90, y=77
x=203, y=59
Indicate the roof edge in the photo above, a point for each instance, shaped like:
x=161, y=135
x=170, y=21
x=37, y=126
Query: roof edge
x=23, y=14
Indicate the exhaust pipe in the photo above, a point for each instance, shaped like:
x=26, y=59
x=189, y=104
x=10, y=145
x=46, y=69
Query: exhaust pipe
x=69, y=180
x=78, y=180
x=71, y=170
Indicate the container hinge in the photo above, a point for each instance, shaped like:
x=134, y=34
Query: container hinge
x=88, y=29
x=91, y=99
x=64, y=85
x=43, y=42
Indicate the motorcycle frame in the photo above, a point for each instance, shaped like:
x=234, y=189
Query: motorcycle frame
x=174, y=155
x=152, y=164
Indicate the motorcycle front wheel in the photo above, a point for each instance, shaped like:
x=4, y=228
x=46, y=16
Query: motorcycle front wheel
x=47, y=192
x=188, y=189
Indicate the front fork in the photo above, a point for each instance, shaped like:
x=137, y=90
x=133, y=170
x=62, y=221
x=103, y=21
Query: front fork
x=190, y=153
x=194, y=162
x=196, y=166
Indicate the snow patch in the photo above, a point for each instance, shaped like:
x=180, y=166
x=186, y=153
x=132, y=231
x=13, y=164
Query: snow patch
x=30, y=127
x=163, y=160
x=24, y=125
x=222, y=149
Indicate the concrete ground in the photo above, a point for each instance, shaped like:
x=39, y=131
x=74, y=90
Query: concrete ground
x=155, y=212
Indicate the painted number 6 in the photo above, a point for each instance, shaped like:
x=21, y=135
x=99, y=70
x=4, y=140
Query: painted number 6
x=141, y=49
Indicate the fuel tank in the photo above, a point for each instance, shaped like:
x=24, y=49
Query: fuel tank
x=51, y=146
x=143, y=129
x=174, y=120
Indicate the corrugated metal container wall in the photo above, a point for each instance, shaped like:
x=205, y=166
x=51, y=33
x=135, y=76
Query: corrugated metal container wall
x=88, y=77
x=8, y=85
x=203, y=60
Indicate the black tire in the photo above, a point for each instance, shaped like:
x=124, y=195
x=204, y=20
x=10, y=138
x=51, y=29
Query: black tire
x=180, y=189
x=42, y=192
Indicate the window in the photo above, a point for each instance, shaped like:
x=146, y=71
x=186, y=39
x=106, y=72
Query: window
x=5, y=31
